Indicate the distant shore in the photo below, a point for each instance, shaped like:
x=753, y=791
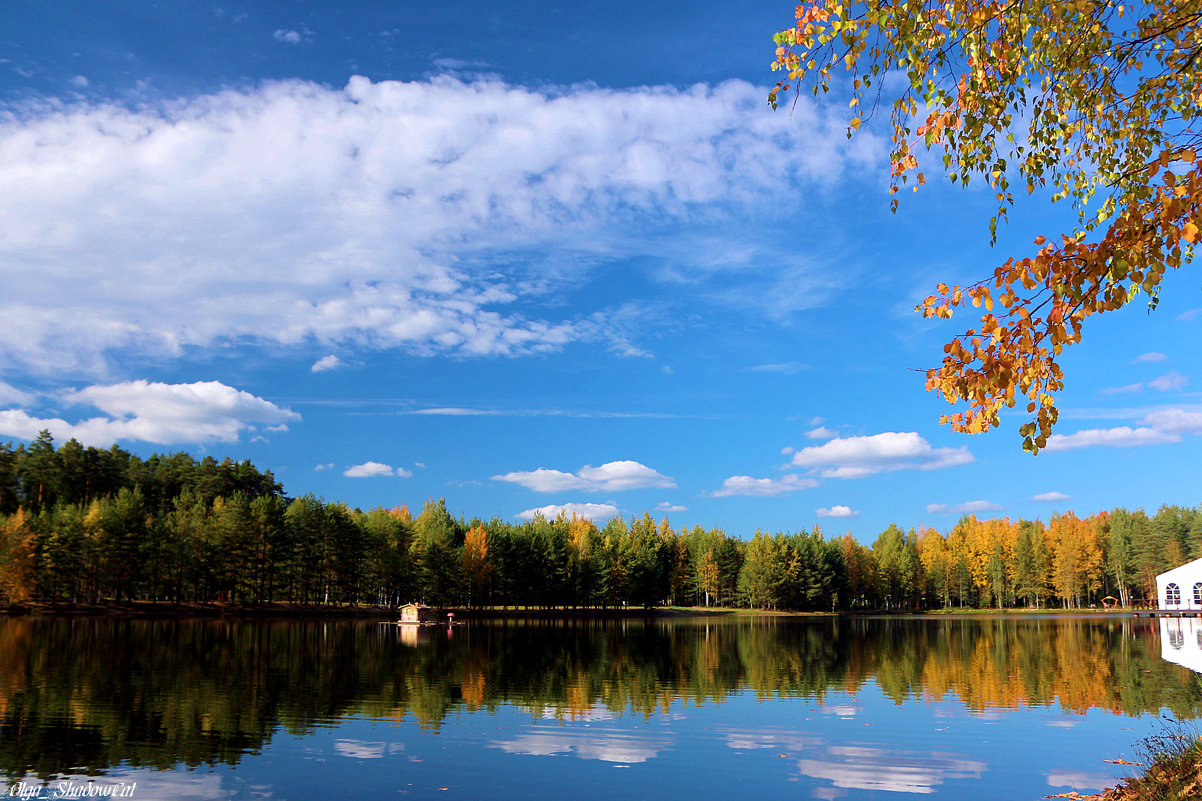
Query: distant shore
x=219, y=609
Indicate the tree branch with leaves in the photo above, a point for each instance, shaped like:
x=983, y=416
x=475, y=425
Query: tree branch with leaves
x=1094, y=101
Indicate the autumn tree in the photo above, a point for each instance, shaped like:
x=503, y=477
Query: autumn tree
x=1076, y=558
x=1096, y=103
x=476, y=564
x=17, y=551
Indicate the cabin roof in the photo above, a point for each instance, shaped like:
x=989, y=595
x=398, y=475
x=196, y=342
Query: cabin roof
x=1190, y=569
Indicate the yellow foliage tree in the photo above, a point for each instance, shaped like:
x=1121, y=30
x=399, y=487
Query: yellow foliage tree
x=17, y=550
x=476, y=565
x=1076, y=557
x=1097, y=102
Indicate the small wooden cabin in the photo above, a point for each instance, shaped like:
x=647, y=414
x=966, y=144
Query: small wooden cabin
x=416, y=613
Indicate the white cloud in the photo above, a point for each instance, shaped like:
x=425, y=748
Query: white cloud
x=11, y=395
x=326, y=466
x=788, y=449
x=1051, y=497
x=1169, y=382
x=1175, y=421
x=670, y=507
x=1123, y=390
x=854, y=457
x=1121, y=437
x=763, y=487
x=80, y=82
x=291, y=37
x=597, y=512
x=787, y=368
x=368, y=216
x=326, y=363
x=1152, y=356
x=544, y=480
x=969, y=508
x=837, y=511
x=165, y=414
x=821, y=432
x=1158, y=428
x=374, y=470
x=611, y=476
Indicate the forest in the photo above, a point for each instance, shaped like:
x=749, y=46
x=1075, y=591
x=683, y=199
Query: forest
x=87, y=525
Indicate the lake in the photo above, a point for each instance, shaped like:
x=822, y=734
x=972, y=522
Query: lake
x=677, y=708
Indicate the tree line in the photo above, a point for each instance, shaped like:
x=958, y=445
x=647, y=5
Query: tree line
x=85, y=525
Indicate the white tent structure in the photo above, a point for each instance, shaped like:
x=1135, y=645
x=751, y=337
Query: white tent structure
x=1181, y=588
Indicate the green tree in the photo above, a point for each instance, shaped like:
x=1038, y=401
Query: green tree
x=770, y=569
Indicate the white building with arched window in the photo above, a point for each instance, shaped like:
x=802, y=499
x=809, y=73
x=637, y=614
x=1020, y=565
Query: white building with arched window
x=1181, y=587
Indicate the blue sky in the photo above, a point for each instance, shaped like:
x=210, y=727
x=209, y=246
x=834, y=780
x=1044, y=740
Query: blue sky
x=522, y=256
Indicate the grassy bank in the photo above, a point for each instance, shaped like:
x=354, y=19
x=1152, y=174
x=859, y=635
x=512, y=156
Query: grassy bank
x=1171, y=771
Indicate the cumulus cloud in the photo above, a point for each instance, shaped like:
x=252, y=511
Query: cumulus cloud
x=665, y=506
x=1158, y=427
x=821, y=432
x=80, y=82
x=969, y=508
x=855, y=457
x=165, y=414
x=326, y=466
x=611, y=476
x=1051, y=497
x=1121, y=437
x=374, y=470
x=837, y=511
x=1169, y=382
x=763, y=487
x=1151, y=356
x=1175, y=421
x=371, y=216
x=288, y=36
x=326, y=363
x=597, y=512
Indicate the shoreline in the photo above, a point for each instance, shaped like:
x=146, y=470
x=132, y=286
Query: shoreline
x=281, y=610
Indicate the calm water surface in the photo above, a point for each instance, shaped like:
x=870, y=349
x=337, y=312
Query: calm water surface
x=681, y=709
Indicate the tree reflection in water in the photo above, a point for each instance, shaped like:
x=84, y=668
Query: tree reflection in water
x=82, y=694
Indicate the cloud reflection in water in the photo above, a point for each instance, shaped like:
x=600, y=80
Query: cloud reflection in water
x=608, y=745
x=872, y=768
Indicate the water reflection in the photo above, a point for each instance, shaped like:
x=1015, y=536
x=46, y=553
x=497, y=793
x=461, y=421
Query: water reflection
x=90, y=694
x=1181, y=642
x=889, y=769
x=607, y=745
